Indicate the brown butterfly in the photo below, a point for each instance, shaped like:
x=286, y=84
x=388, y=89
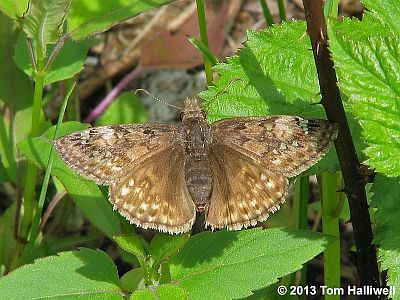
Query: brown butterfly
x=234, y=170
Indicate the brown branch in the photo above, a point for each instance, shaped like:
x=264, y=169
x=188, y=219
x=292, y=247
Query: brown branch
x=355, y=189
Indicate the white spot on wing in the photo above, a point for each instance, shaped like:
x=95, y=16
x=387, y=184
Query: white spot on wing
x=125, y=191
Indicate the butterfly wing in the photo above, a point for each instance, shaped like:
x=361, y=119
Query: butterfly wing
x=244, y=191
x=154, y=193
x=286, y=145
x=102, y=153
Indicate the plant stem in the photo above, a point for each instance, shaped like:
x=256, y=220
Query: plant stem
x=330, y=225
x=301, y=194
x=267, y=13
x=36, y=221
x=204, y=39
x=367, y=265
x=282, y=11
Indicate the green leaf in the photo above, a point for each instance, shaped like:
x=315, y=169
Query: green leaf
x=14, y=8
x=209, y=263
x=277, y=76
x=87, y=17
x=7, y=155
x=15, y=87
x=386, y=12
x=69, y=61
x=127, y=108
x=133, y=280
x=132, y=244
x=163, y=246
x=368, y=68
x=386, y=199
x=162, y=292
x=44, y=19
x=86, y=194
x=204, y=50
x=88, y=274
x=8, y=243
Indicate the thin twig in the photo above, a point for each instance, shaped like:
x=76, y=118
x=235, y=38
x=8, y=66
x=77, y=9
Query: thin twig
x=355, y=189
x=53, y=203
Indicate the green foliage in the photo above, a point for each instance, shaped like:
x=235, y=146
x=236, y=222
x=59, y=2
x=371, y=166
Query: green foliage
x=386, y=199
x=86, y=274
x=164, y=292
x=209, y=264
x=44, y=19
x=14, y=8
x=7, y=242
x=92, y=16
x=68, y=63
x=126, y=108
x=275, y=74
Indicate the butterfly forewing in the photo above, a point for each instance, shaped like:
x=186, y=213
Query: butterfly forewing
x=244, y=192
x=102, y=153
x=154, y=193
x=285, y=145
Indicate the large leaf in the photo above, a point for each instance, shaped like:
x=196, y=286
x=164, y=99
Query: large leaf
x=86, y=194
x=277, y=75
x=387, y=12
x=367, y=61
x=87, y=17
x=44, y=19
x=86, y=274
x=230, y=265
x=387, y=201
x=14, y=8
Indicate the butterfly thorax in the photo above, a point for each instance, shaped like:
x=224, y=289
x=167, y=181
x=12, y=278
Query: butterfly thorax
x=198, y=174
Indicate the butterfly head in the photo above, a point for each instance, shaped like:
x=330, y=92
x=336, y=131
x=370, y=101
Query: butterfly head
x=192, y=111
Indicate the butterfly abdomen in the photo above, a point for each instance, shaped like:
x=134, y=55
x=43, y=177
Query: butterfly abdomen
x=198, y=173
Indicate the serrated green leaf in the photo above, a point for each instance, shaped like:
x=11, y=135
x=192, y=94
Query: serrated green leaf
x=386, y=199
x=209, y=263
x=14, y=8
x=44, y=19
x=163, y=246
x=127, y=108
x=15, y=87
x=87, y=17
x=368, y=69
x=132, y=244
x=88, y=274
x=162, y=292
x=387, y=12
x=86, y=194
x=69, y=61
x=277, y=76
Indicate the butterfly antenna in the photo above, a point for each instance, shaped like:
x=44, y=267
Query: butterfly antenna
x=155, y=98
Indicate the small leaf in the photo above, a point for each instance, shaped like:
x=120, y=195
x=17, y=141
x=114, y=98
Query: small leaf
x=204, y=50
x=87, y=17
x=14, y=8
x=163, y=246
x=69, y=61
x=127, y=108
x=133, y=280
x=44, y=19
x=132, y=244
x=85, y=272
x=86, y=194
x=209, y=263
x=386, y=199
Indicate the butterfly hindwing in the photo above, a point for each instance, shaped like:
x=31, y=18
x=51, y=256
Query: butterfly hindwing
x=244, y=192
x=154, y=193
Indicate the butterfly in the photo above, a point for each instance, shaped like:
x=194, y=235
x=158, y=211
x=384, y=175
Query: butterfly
x=235, y=171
